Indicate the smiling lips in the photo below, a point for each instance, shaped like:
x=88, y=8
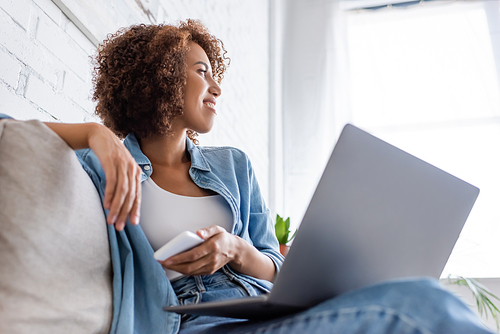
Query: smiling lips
x=210, y=104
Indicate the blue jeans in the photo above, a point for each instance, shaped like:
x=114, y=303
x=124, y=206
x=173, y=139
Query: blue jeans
x=417, y=305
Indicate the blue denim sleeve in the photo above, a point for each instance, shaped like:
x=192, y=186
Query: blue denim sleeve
x=261, y=226
x=92, y=166
x=2, y=116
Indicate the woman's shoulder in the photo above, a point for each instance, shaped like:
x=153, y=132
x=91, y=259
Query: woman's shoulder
x=226, y=151
x=222, y=157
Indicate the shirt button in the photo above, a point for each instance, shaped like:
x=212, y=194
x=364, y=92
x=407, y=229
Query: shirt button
x=146, y=167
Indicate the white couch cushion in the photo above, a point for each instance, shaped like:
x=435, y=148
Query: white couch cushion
x=55, y=269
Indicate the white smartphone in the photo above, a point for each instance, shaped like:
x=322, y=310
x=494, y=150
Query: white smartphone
x=181, y=243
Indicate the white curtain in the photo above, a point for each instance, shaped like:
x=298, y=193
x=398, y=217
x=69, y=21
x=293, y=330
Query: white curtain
x=314, y=63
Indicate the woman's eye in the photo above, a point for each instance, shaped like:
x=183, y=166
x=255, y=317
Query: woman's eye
x=203, y=72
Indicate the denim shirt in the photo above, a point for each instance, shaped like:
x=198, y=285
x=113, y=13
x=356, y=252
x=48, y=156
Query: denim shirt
x=141, y=288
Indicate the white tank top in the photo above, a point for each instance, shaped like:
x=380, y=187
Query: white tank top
x=164, y=215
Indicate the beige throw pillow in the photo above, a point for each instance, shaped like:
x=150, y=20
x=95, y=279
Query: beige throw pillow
x=55, y=269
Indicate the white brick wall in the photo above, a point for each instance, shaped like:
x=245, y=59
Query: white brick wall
x=45, y=70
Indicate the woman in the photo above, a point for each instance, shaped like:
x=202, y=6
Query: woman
x=157, y=86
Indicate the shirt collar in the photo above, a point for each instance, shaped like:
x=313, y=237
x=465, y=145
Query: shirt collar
x=132, y=144
x=198, y=161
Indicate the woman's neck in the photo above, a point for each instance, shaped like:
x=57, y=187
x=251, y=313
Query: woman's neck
x=168, y=150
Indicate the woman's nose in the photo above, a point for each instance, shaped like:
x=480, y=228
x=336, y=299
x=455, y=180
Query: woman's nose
x=215, y=89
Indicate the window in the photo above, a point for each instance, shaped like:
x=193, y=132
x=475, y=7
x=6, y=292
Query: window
x=425, y=79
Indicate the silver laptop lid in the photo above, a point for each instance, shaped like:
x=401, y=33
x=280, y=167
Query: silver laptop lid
x=378, y=213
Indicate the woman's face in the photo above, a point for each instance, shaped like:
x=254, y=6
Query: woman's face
x=200, y=93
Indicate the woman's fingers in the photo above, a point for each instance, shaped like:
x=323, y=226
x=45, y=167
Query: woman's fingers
x=208, y=232
x=199, y=265
x=189, y=256
x=110, y=189
x=206, y=265
x=112, y=180
x=210, y=256
x=208, y=247
x=122, y=195
x=130, y=205
x=119, y=196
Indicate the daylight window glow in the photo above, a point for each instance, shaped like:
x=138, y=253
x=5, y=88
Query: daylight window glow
x=425, y=79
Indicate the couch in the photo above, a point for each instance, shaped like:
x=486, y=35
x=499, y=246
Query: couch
x=55, y=267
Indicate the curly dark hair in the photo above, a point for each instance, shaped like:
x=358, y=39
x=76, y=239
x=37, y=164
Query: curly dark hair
x=140, y=74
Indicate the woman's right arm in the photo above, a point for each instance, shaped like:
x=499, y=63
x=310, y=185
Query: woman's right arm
x=122, y=196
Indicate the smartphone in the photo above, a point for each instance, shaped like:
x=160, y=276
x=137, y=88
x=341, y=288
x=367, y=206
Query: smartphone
x=181, y=243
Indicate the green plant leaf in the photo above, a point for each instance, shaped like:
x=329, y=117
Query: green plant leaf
x=280, y=230
x=287, y=230
x=483, y=297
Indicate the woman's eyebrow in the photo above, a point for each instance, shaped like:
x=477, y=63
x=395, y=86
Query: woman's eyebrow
x=203, y=63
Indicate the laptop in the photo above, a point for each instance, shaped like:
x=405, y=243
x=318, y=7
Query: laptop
x=378, y=213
